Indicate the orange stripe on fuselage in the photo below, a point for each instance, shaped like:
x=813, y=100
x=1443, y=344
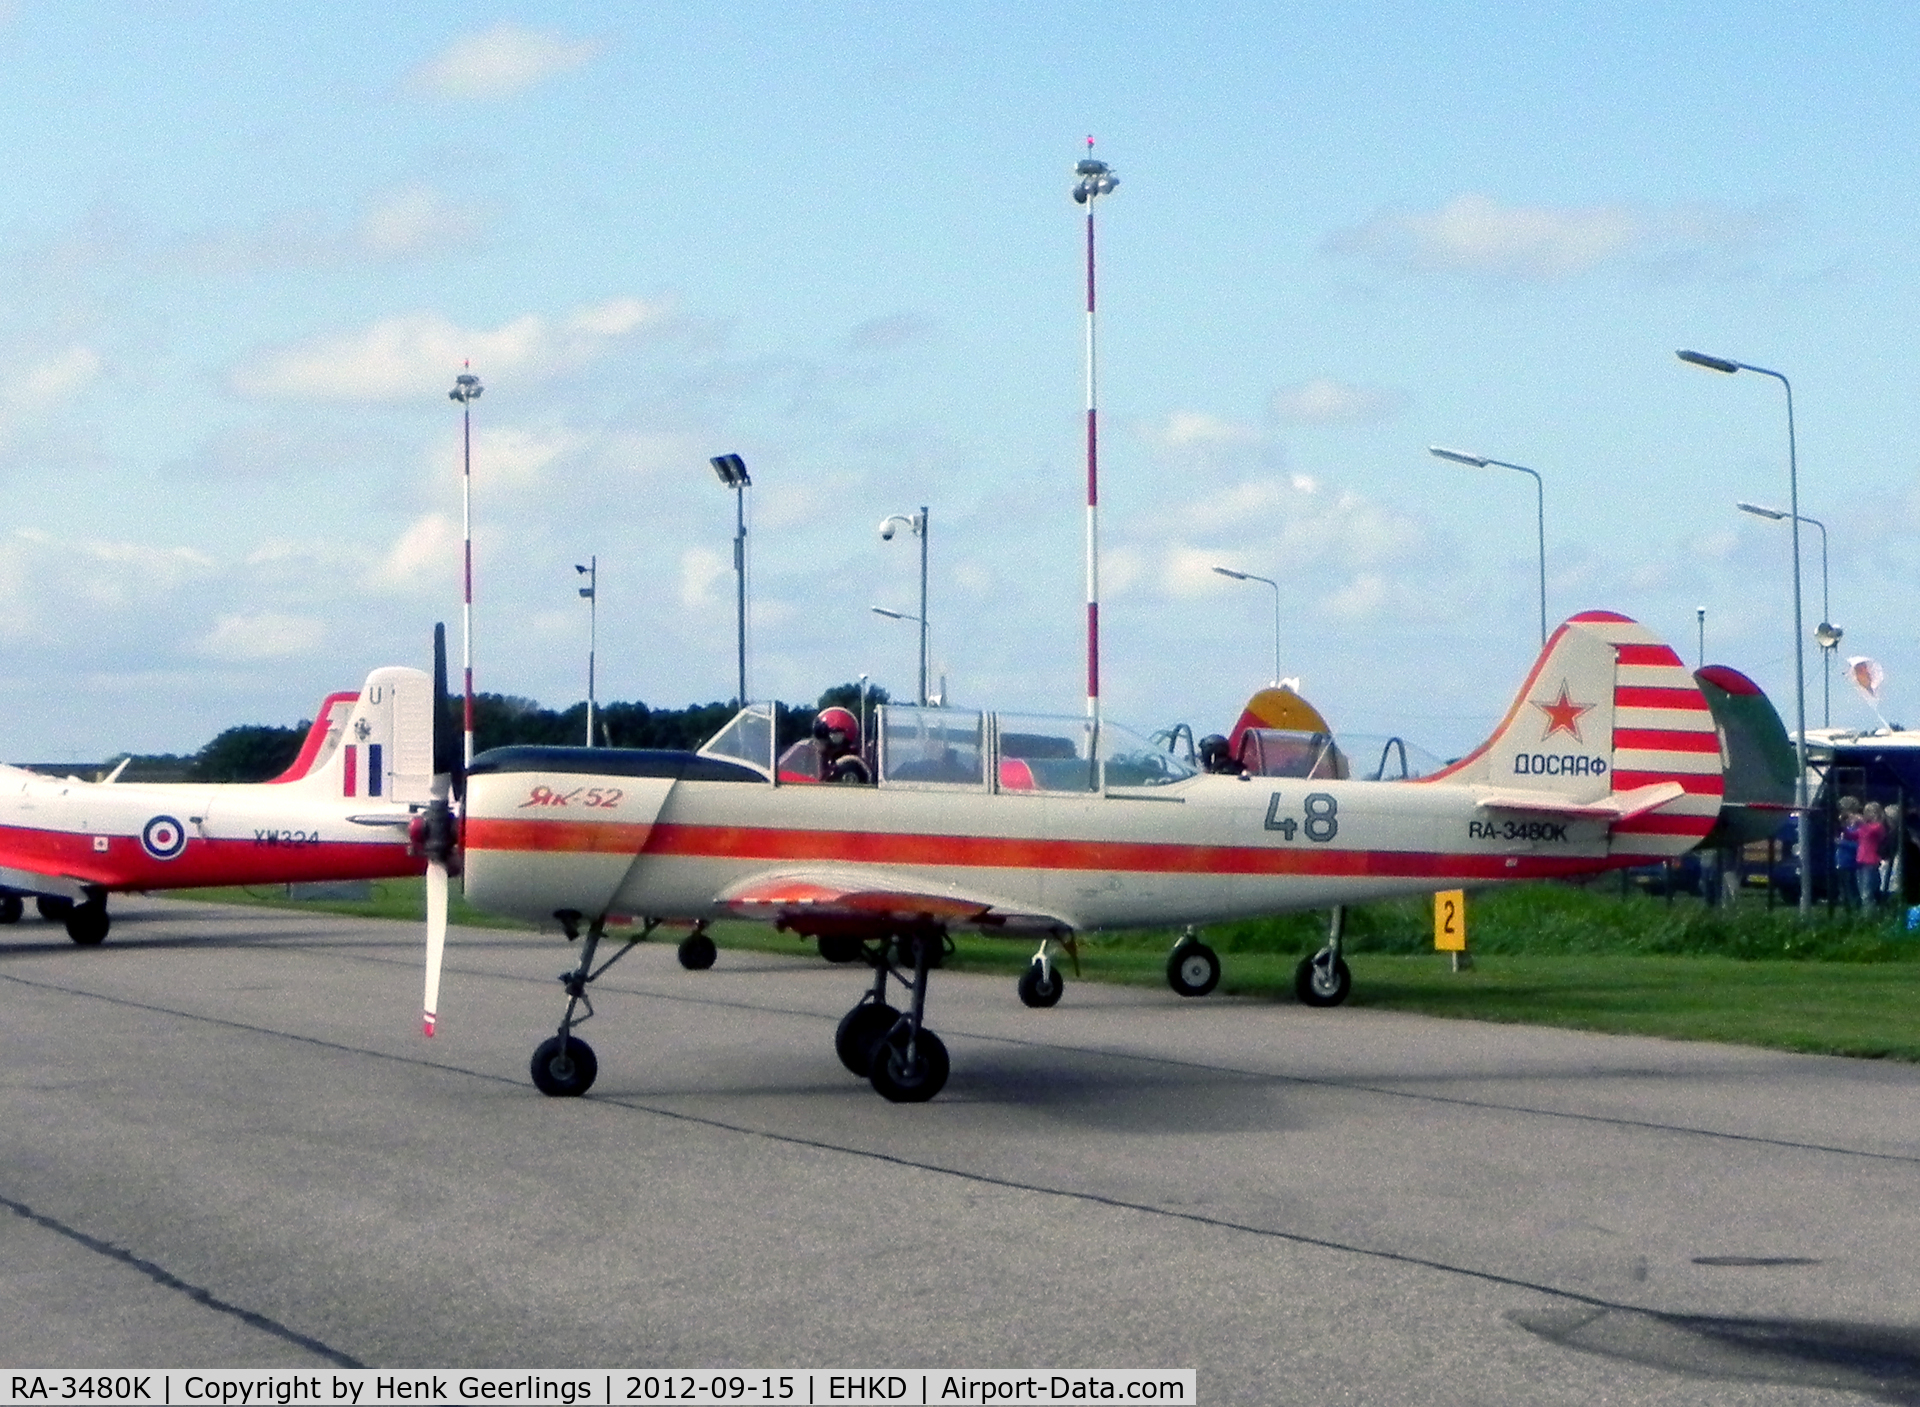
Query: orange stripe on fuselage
x=768, y=844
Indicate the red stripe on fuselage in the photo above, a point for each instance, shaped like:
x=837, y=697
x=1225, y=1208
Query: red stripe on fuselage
x=125, y=865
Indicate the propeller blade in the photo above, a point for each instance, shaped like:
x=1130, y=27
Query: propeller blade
x=449, y=748
x=436, y=939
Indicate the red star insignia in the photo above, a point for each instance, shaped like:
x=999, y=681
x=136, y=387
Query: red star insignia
x=1563, y=715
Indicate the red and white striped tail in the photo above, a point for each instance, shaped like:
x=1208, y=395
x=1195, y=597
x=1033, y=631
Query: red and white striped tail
x=1609, y=725
x=1663, y=731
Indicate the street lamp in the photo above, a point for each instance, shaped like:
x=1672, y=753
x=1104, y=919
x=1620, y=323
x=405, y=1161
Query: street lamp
x=1249, y=576
x=1539, y=507
x=1096, y=179
x=732, y=470
x=1727, y=367
x=466, y=390
x=1826, y=634
x=922, y=621
x=592, y=592
x=1701, y=613
x=917, y=524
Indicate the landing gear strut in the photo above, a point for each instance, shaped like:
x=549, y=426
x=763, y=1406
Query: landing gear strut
x=564, y=1066
x=1193, y=969
x=905, y=1062
x=1323, y=979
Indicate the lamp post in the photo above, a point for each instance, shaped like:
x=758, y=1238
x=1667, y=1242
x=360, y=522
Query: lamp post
x=1701, y=613
x=1096, y=179
x=1728, y=367
x=917, y=524
x=592, y=592
x=1826, y=634
x=466, y=390
x=902, y=615
x=1539, y=508
x=732, y=470
x=1249, y=576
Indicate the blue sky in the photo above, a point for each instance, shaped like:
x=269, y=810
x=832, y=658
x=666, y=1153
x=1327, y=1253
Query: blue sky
x=247, y=247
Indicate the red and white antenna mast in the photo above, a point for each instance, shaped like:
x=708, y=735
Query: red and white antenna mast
x=1096, y=179
x=467, y=389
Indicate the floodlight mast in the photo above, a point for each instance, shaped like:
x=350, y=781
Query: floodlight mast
x=1096, y=179
x=592, y=592
x=466, y=390
x=918, y=525
x=732, y=470
x=1728, y=367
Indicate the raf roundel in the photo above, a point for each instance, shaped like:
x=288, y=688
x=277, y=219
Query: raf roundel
x=163, y=838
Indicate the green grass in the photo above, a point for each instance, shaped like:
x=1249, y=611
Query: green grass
x=1550, y=955
x=404, y=899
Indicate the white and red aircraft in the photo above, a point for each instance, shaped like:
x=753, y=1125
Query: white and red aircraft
x=341, y=811
x=1022, y=826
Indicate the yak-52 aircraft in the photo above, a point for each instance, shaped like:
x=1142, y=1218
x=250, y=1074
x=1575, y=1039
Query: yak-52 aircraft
x=341, y=811
x=1046, y=828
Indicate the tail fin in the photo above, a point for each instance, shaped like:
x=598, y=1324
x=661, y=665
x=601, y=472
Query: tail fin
x=383, y=749
x=329, y=721
x=1756, y=752
x=1609, y=725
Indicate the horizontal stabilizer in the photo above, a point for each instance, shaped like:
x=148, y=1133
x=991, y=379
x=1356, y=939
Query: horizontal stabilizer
x=1616, y=806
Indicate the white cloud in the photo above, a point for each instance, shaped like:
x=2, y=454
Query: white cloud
x=1364, y=596
x=700, y=568
x=266, y=635
x=1189, y=571
x=1253, y=502
x=502, y=61
x=414, y=354
x=416, y=220
x=1473, y=234
x=428, y=550
x=45, y=384
x=1324, y=401
x=514, y=458
x=1191, y=429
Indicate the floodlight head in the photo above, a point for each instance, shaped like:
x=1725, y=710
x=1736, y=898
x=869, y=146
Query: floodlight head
x=1458, y=456
x=578, y=568
x=1710, y=363
x=886, y=531
x=1759, y=511
x=732, y=470
x=1827, y=635
x=466, y=387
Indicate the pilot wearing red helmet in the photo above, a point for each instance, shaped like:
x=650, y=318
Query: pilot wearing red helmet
x=836, y=742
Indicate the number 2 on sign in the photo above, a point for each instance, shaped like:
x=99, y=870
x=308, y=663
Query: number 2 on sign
x=1450, y=921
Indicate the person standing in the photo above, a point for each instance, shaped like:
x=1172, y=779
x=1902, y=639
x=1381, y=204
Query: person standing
x=1869, y=837
x=1846, y=881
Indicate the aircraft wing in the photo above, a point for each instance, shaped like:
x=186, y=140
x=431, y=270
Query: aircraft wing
x=810, y=900
x=14, y=874
x=1619, y=806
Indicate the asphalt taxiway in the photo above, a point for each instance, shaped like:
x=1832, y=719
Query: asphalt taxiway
x=224, y=1143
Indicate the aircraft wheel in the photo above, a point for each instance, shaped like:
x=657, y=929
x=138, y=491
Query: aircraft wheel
x=1193, y=969
x=901, y=1083
x=1040, y=987
x=11, y=907
x=87, y=924
x=697, y=952
x=564, y=1074
x=839, y=947
x=1316, y=986
x=860, y=1031
x=53, y=908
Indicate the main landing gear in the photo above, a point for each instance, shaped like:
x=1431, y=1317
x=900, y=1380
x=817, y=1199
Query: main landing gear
x=905, y=1062
x=564, y=1066
x=697, y=950
x=1323, y=979
x=86, y=923
x=1193, y=969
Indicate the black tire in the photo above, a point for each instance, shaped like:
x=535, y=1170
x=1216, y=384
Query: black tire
x=839, y=947
x=860, y=1031
x=568, y=1075
x=899, y=1083
x=1193, y=969
x=11, y=907
x=53, y=908
x=87, y=924
x=1041, y=988
x=697, y=952
x=1314, y=987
